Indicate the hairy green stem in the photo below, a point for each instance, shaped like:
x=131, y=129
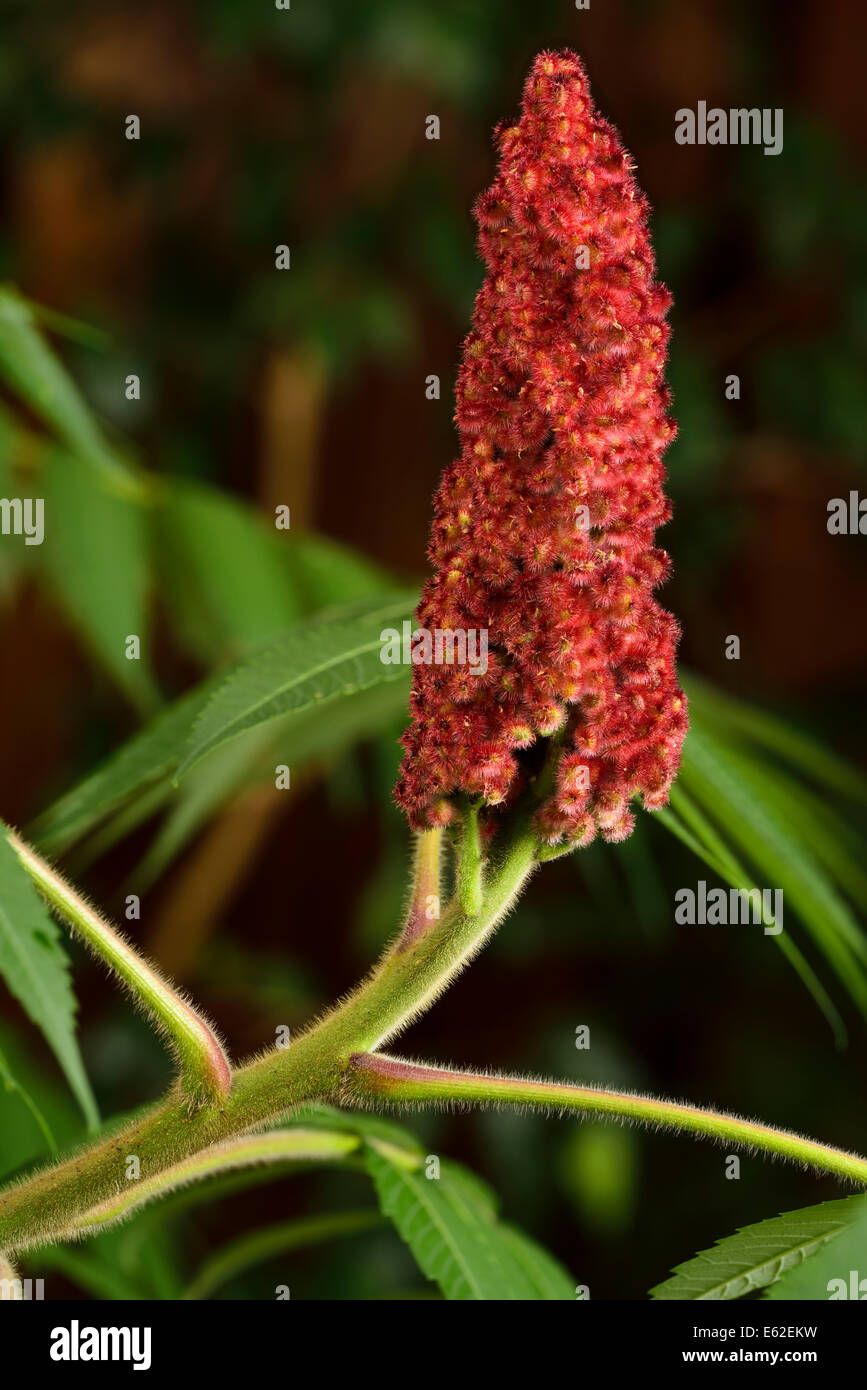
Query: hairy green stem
x=400, y=988
x=393, y=1081
x=325, y=1062
x=277, y=1146
x=205, y=1073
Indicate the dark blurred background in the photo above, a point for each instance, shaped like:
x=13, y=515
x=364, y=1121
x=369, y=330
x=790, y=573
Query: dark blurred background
x=307, y=127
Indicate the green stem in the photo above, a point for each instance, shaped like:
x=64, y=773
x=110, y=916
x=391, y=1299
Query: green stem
x=322, y=1064
x=277, y=1146
x=392, y=1081
x=406, y=983
x=402, y=987
x=204, y=1068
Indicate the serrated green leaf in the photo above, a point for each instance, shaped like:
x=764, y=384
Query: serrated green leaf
x=551, y=1280
x=315, y=662
x=832, y=1273
x=758, y=1255
x=36, y=970
x=95, y=556
x=35, y=373
x=454, y=1236
x=136, y=781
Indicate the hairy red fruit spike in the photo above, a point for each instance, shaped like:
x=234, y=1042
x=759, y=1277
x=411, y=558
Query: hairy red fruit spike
x=544, y=527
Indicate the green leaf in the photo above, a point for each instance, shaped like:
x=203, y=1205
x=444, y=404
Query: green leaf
x=315, y=662
x=759, y=1255
x=140, y=771
x=232, y=768
x=23, y=1140
x=256, y=1247
x=549, y=1278
x=65, y=327
x=136, y=781
x=231, y=581
x=772, y=816
x=455, y=1237
x=223, y=573
x=326, y=574
x=733, y=791
x=95, y=555
x=714, y=709
x=36, y=970
x=10, y=554
x=836, y=846
x=685, y=820
x=828, y=1274
x=88, y=1270
x=13, y=1087
x=31, y=369
x=136, y=1260
x=294, y=740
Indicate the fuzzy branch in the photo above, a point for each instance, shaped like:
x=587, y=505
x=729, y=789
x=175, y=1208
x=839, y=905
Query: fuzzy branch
x=277, y=1146
x=205, y=1074
x=331, y=1061
x=39, y=1208
x=392, y=1081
